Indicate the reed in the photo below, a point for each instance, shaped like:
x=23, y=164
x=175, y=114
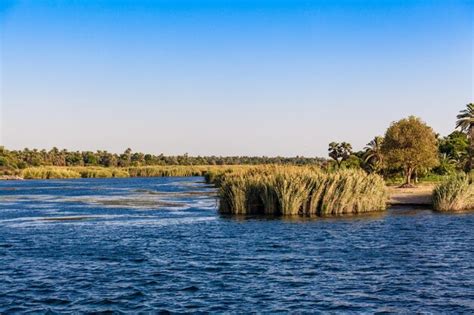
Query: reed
x=101, y=172
x=285, y=190
x=166, y=171
x=454, y=194
x=48, y=173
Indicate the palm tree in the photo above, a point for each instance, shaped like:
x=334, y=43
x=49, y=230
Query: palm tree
x=446, y=164
x=466, y=123
x=339, y=152
x=373, y=154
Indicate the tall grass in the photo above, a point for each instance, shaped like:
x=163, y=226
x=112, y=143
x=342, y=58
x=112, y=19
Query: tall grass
x=286, y=190
x=454, y=194
x=101, y=172
x=48, y=173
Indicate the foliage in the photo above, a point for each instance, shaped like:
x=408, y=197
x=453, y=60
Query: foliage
x=339, y=152
x=14, y=160
x=287, y=190
x=455, y=146
x=447, y=165
x=454, y=194
x=373, y=155
x=465, y=122
x=411, y=145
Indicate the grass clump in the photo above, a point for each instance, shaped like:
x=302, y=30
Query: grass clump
x=454, y=194
x=285, y=190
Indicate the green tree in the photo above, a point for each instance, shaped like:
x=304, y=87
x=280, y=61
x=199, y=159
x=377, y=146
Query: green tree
x=411, y=145
x=89, y=158
x=339, y=152
x=373, y=155
x=456, y=147
x=447, y=165
x=465, y=122
x=125, y=158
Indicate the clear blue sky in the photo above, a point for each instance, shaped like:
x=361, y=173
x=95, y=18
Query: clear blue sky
x=229, y=77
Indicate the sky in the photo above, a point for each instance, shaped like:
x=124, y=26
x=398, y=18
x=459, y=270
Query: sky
x=228, y=77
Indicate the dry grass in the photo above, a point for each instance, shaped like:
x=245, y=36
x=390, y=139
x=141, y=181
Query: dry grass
x=291, y=190
x=454, y=194
x=50, y=172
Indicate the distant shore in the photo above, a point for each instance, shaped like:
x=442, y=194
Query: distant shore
x=10, y=177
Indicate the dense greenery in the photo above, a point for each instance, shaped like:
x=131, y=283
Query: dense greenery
x=340, y=152
x=291, y=190
x=465, y=122
x=12, y=161
x=409, y=148
x=454, y=194
x=410, y=144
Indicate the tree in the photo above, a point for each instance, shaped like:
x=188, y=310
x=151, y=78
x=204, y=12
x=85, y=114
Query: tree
x=411, y=145
x=339, y=152
x=447, y=165
x=373, y=155
x=465, y=122
x=456, y=147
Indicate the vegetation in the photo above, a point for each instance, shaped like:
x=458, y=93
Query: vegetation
x=409, y=152
x=340, y=152
x=373, y=155
x=465, y=122
x=454, y=148
x=286, y=190
x=411, y=145
x=12, y=161
x=50, y=172
x=454, y=194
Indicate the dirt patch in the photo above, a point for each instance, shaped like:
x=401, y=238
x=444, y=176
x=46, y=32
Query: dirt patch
x=420, y=195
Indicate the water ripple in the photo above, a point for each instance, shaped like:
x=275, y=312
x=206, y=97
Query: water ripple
x=158, y=245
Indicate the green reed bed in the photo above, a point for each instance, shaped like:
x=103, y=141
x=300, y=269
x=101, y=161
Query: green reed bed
x=282, y=190
x=454, y=194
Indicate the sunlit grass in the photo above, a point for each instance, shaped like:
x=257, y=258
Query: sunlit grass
x=290, y=190
x=454, y=194
x=50, y=172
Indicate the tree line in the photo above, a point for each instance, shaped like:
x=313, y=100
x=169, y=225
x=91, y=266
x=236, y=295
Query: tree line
x=409, y=147
x=20, y=159
x=412, y=148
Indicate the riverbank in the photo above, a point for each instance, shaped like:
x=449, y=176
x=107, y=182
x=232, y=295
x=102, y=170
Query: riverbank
x=10, y=177
x=420, y=195
x=56, y=172
x=416, y=196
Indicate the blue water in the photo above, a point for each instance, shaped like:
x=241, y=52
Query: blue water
x=158, y=244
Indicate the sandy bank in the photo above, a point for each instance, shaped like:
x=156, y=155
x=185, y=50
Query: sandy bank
x=420, y=195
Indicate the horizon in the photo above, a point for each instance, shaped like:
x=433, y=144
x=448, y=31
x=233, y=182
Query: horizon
x=241, y=78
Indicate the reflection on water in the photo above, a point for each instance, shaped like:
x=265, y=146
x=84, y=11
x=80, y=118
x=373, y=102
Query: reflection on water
x=158, y=244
